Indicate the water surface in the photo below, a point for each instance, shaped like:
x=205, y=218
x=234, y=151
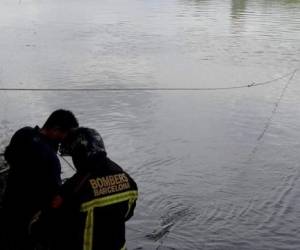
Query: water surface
x=206, y=181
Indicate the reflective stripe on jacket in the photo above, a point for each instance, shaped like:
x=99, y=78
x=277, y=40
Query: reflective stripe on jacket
x=105, y=201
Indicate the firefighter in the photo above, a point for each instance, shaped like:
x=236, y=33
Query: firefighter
x=34, y=175
x=95, y=203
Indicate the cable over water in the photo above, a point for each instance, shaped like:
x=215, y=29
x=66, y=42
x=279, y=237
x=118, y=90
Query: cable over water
x=269, y=120
x=67, y=162
x=253, y=84
x=291, y=75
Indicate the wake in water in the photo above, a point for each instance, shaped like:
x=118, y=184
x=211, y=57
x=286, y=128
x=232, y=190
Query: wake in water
x=167, y=223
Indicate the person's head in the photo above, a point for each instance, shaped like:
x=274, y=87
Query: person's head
x=84, y=145
x=58, y=124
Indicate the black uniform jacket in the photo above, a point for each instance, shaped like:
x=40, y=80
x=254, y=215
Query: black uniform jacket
x=96, y=205
x=34, y=174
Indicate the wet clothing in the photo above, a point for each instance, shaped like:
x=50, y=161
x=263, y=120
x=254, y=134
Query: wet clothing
x=96, y=204
x=34, y=178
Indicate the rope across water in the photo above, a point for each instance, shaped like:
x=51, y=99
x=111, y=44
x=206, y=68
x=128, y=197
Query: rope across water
x=253, y=84
x=270, y=118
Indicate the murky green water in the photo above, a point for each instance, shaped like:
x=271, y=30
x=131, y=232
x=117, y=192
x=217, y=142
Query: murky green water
x=189, y=151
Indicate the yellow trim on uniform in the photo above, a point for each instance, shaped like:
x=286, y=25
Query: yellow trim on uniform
x=130, y=202
x=109, y=200
x=124, y=247
x=88, y=207
x=88, y=231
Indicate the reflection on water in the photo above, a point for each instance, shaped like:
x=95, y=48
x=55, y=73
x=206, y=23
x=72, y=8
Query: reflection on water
x=238, y=7
x=188, y=150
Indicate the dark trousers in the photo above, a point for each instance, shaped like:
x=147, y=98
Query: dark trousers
x=14, y=233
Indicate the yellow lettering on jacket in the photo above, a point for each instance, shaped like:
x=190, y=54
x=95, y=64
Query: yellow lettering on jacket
x=109, y=184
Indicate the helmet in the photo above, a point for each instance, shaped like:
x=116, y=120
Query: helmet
x=82, y=144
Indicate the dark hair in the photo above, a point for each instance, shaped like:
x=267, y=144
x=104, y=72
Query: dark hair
x=61, y=119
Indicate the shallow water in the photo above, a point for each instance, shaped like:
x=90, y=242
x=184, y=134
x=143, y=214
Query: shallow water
x=206, y=180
